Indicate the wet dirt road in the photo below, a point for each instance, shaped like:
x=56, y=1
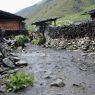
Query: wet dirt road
x=75, y=68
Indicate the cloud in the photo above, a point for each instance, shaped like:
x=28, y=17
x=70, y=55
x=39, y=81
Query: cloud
x=16, y=5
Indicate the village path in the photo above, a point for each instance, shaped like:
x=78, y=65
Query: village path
x=75, y=68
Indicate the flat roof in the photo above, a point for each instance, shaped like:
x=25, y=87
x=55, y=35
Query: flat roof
x=44, y=21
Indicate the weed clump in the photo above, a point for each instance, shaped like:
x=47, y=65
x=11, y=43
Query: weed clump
x=18, y=81
x=21, y=40
x=38, y=41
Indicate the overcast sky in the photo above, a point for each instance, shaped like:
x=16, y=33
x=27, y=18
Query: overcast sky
x=15, y=5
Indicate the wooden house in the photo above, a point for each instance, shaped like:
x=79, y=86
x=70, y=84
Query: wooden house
x=11, y=23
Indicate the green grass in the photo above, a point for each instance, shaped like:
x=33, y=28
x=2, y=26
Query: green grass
x=70, y=19
x=76, y=17
x=88, y=8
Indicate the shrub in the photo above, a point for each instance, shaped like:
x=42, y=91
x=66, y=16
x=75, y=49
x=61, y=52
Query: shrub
x=38, y=41
x=35, y=41
x=21, y=39
x=31, y=28
x=19, y=80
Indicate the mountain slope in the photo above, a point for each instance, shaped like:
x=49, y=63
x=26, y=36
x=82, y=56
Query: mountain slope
x=54, y=8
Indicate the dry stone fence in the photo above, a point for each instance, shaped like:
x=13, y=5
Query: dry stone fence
x=73, y=31
x=59, y=36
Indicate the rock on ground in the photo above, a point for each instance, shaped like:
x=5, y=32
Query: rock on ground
x=58, y=83
x=8, y=63
x=21, y=63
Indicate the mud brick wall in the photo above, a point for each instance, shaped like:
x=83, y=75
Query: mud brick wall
x=84, y=29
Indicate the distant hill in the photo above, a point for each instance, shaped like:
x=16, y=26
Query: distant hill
x=54, y=8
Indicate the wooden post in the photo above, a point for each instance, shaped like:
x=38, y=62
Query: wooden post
x=54, y=22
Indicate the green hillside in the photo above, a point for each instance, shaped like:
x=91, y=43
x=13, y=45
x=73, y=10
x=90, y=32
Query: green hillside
x=69, y=10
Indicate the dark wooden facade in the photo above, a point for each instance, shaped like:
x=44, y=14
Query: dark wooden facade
x=11, y=23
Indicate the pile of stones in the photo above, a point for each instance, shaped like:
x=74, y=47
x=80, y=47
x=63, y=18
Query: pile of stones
x=9, y=63
x=74, y=36
x=85, y=44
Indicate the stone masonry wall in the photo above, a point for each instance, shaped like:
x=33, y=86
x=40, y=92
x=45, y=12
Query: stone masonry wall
x=80, y=35
x=73, y=31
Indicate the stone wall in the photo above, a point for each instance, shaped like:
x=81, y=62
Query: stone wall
x=79, y=35
x=73, y=31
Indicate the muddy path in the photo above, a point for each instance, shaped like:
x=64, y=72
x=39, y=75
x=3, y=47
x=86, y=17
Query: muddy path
x=75, y=68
